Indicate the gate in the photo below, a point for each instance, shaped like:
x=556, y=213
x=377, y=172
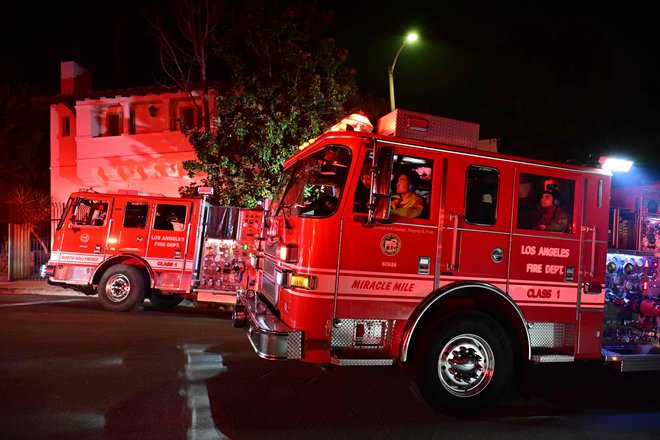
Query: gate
x=26, y=247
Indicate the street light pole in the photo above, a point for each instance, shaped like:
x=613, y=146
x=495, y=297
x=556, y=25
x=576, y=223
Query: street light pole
x=410, y=38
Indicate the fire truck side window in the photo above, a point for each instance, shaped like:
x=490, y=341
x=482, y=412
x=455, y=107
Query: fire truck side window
x=411, y=187
x=135, y=215
x=90, y=212
x=481, y=195
x=170, y=217
x=545, y=203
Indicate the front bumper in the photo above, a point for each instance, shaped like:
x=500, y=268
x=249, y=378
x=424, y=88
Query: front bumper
x=271, y=338
x=46, y=270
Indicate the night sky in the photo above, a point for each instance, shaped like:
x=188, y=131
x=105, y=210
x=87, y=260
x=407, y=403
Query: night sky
x=552, y=80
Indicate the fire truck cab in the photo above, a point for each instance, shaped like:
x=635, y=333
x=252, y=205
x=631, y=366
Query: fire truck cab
x=128, y=247
x=412, y=247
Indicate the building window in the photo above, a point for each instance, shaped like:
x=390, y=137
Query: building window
x=131, y=123
x=189, y=118
x=66, y=126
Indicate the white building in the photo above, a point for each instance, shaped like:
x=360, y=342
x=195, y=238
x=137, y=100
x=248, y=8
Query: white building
x=117, y=139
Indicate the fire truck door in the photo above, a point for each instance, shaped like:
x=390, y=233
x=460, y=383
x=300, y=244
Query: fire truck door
x=86, y=234
x=130, y=227
x=385, y=269
x=166, y=248
x=545, y=243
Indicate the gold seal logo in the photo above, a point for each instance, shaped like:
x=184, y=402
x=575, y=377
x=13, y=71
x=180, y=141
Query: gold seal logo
x=390, y=244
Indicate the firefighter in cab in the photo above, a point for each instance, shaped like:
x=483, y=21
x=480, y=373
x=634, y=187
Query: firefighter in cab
x=406, y=202
x=550, y=216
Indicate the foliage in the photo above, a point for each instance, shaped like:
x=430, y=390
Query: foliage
x=23, y=143
x=22, y=147
x=28, y=205
x=288, y=83
x=184, y=54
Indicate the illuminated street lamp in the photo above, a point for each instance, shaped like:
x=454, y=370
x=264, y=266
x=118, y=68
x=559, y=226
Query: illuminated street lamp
x=410, y=38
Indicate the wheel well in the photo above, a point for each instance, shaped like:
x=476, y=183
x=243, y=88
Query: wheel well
x=458, y=298
x=123, y=259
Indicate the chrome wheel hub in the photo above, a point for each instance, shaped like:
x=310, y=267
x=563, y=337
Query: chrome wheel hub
x=465, y=365
x=118, y=288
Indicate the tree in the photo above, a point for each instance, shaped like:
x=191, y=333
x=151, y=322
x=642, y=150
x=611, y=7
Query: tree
x=288, y=84
x=184, y=55
x=23, y=144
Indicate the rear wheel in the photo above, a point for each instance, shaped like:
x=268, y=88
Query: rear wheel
x=462, y=365
x=122, y=287
x=161, y=301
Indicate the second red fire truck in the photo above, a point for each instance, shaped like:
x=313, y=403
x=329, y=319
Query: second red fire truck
x=412, y=247
x=127, y=247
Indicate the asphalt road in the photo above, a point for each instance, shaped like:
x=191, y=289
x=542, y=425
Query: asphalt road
x=71, y=370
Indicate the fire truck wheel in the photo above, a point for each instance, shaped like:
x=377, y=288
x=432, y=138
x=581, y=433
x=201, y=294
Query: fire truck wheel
x=462, y=365
x=161, y=301
x=122, y=287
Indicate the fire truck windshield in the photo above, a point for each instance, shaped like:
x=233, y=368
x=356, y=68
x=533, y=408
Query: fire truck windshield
x=313, y=186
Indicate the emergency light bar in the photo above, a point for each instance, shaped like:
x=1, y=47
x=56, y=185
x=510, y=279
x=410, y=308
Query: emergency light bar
x=613, y=164
x=356, y=122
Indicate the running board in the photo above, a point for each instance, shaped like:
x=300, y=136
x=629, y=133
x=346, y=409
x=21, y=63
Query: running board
x=362, y=362
x=626, y=363
x=552, y=358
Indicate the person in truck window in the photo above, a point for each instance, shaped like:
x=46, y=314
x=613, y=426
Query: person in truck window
x=549, y=215
x=98, y=218
x=406, y=202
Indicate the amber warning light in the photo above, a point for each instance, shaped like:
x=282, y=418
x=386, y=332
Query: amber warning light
x=354, y=122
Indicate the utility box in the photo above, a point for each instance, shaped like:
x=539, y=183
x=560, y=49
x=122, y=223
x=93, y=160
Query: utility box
x=420, y=126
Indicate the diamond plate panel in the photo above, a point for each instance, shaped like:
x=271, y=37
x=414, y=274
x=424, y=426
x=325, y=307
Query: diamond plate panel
x=412, y=125
x=373, y=334
x=551, y=335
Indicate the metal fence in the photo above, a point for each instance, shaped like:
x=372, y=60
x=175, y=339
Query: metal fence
x=24, y=247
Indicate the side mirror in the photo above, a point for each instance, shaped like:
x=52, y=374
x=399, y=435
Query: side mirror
x=381, y=171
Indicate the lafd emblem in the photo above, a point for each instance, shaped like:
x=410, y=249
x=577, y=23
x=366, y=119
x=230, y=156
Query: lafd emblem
x=390, y=244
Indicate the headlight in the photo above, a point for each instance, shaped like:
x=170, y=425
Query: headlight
x=288, y=253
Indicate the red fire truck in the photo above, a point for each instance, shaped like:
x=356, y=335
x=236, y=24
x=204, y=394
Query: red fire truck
x=458, y=264
x=128, y=246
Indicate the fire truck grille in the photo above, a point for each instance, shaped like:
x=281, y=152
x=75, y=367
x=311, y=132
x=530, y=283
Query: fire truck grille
x=269, y=289
x=270, y=249
x=269, y=267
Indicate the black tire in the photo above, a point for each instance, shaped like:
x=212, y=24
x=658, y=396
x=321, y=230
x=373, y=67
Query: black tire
x=476, y=368
x=122, y=287
x=161, y=301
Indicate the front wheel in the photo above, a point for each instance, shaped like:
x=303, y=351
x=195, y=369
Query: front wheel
x=122, y=287
x=462, y=365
